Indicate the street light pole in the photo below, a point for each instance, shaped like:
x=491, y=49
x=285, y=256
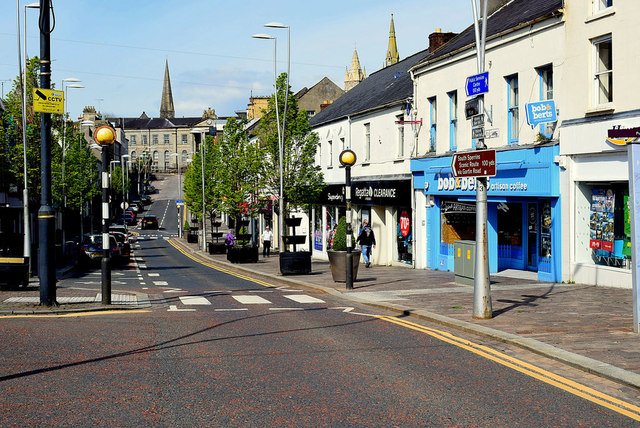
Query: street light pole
x=23, y=77
x=280, y=148
x=348, y=159
x=123, y=165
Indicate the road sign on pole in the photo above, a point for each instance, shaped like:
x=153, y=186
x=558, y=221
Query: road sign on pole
x=480, y=163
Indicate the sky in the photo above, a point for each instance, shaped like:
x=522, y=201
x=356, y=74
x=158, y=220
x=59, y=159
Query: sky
x=118, y=48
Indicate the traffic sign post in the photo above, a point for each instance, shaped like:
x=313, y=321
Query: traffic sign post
x=480, y=163
x=478, y=84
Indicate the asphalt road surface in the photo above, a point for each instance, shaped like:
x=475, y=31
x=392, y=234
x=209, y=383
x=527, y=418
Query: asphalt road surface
x=215, y=348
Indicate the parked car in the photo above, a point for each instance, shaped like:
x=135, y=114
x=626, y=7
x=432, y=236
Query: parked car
x=146, y=199
x=118, y=228
x=91, y=249
x=136, y=206
x=149, y=189
x=149, y=222
x=123, y=243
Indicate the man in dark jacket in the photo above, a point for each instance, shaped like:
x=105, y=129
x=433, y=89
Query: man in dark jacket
x=366, y=239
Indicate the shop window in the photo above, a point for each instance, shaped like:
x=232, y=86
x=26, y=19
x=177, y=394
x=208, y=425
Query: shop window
x=404, y=235
x=453, y=120
x=317, y=229
x=332, y=224
x=603, y=78
x=610, y=225
x=457, y=222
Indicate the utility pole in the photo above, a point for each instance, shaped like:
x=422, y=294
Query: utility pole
x=46, y=214
x=482, y=307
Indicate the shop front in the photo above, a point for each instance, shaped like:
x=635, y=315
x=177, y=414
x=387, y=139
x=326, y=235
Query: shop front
x=523, y=211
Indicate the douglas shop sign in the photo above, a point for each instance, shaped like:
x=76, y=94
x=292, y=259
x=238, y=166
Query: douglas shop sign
x=452, y=184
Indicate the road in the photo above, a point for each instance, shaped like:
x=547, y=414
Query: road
x=216, y=348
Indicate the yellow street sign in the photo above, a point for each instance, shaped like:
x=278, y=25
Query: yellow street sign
x=48, y=101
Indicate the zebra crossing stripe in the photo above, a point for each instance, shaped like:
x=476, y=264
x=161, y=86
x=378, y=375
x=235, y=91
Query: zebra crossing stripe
x=194, y=300
x=251, y=300
x=302, y=298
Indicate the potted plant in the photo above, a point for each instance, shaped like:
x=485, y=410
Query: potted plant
x=243, y=251
x=338, y=254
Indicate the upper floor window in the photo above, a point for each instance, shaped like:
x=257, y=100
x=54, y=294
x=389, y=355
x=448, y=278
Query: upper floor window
x=453, y=120
x=400, y=146
x=367, y=141
x=144, y=140
x=546, y=93
x=155, y=139
x=603, y=68
x=166, y=138
x=433, y=118
x=184, y=138
x=599, y=5
x=133, y=140
x=330, y=153
x=513, y=114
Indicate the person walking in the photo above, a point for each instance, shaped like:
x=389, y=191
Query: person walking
x=366, y=238
x=267, y=236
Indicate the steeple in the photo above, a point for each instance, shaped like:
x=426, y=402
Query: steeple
x=166, y=104
x=392, y=53
x=354, y=75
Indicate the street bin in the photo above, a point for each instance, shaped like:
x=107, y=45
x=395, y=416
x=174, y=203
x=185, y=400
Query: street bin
x=464, y=264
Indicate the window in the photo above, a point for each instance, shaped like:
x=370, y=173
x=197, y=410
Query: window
x=546, y=93
x=603, y=77
x=133, y=140
x=184, y=157
x=433, y=117
x=166, y=138
x=144, y=140
x=400, y=148
x=184, y=138
x=330, y=150
x=133, y=156
x=513, y=111
x=453, y=120
x=166, y=155
x=367, y=141
x=600, y=5
x=155, y=139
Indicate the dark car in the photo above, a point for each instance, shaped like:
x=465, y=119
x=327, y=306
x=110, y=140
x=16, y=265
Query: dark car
x=118, y=228
x=149, y=222
x=91, y=249
x=146, y=199
x=123, y=243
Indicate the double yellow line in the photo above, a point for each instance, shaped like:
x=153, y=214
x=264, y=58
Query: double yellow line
x=570, y=386
x=219, y=268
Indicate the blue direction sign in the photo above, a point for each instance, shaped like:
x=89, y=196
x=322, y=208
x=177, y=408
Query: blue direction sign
x=478, y=84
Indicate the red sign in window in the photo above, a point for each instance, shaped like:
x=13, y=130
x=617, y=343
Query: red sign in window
x=405, y=223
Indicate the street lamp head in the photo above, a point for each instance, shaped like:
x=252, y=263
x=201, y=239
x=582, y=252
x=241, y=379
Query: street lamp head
x=73, y=85
x=347, y=157
x=71, y=79
x=263, y=36
x=275, y=25
x=32, y=6
x=105, y=135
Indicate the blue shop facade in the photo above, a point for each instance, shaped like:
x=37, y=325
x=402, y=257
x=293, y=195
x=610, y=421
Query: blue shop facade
x=524, y=223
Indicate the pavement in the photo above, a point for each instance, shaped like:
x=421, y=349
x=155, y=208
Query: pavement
x=583, y=326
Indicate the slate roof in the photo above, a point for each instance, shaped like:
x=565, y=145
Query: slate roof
x=393, y=84
x=160, y=123
x=511, y=16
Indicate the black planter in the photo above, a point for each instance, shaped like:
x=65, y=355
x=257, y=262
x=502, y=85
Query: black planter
x=242, y=254
x=192, y=238
x=338, y=263
x=293, y=221
x=295, y=263
x=215, y=248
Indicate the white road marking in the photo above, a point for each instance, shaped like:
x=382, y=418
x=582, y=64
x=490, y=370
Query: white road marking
x=159, y=283
x=303, y=298
x=194, y=300
x=153, y=274
x=173, y=290
x=231, y=310
x=174, y=308
x=251, y=300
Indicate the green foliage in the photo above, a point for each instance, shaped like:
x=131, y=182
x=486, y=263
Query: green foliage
x=302, y=179
x=186, y=225
x=340, y=237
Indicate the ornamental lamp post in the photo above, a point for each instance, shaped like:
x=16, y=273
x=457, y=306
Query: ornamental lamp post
x=105, y=136
x=348, y=159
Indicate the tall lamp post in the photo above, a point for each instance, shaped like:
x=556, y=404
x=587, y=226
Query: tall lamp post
x=280, y=148
x=25, y=192
x=348, y=159
x=124, y=167
x=111, y=163
x=177, y=156
x=105, y=136
x=286, y=90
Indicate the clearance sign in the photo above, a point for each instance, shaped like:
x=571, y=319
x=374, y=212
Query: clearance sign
x=48, y=101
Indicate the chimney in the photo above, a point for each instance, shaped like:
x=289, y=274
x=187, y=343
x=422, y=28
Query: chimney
x=438, y=38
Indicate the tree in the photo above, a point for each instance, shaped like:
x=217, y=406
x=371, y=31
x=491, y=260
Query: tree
x=302, y=178
x=193, y=177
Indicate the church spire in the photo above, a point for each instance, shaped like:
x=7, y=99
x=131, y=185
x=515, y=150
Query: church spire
x=392, y=52
x=354, y=75
x=166, y=104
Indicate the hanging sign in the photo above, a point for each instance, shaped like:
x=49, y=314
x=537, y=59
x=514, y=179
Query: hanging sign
x=48, y=101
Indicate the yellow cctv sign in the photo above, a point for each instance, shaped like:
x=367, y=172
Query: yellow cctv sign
x=48, y=101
